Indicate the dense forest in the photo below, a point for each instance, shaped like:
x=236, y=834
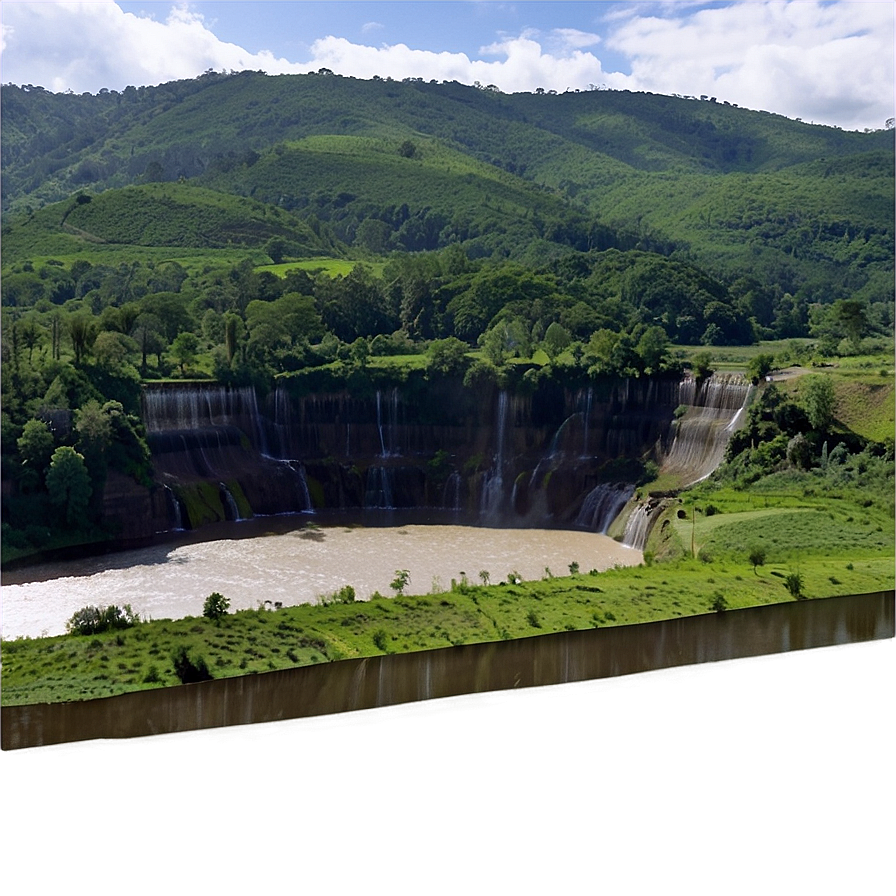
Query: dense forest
x=241, y=227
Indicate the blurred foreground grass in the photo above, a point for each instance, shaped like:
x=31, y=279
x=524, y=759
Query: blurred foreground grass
x=772, y=775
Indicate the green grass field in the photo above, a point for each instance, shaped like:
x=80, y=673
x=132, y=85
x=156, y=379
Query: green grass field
x=76, y=667
x=772, y=775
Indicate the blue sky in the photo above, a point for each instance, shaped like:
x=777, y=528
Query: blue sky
x=826, y=61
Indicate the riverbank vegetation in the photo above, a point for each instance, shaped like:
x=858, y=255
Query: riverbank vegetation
x=788, y=534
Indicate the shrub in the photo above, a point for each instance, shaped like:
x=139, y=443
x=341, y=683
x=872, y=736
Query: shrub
x=400, y=582
x=189, y=670
x=93, y=620
x=346, y=594
x=793, y=582
x=152, y=676
x=574, y=568
x=532, y=619
x=215, y=606
x=719, y=603
x=379, y=639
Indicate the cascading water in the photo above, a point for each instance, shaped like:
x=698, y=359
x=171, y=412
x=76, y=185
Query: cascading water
x=233, y=510
x=451, y=492
x=176, y=512
x=589, y=398
x=379, y=493
x=543, y=451
x=493, y=482
x=713, y=410
x=603, y=504
x=387, y=428
x=637, y=528
x=197, y=408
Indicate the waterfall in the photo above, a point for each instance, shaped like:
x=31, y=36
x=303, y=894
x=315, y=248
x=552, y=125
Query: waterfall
x=586, y=418
x=176, y=512
x=603, y=504
x=307, y=504
x=387, y=429
x=378, y=493
x=637, y=528
x=203, y=407
x=451, y=492
x=379, y=422
x=713, y=411
x=233, y=511
x=493, y=482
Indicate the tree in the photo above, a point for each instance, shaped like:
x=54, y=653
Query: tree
x=701, y=365
x=36, y=445
x=68, y=483
x=759, y=366
x=818, y=401
x=148, y=333
x=447, y=356
x=111, y=350
x=94, y=427
x=184, y=349
x=793, y=582
x=652, y=348
x=556, y=338
x=215, y=606
x=757, y=557
x=82, y=330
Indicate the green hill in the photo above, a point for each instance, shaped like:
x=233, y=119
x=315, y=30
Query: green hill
x=805, y=210
x=181, y=216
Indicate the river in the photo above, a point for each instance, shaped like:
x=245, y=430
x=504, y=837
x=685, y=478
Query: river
x=291, y=564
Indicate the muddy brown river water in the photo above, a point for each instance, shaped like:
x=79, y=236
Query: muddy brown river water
x=171, y=581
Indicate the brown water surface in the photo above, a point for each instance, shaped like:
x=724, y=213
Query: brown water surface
x=292, y=567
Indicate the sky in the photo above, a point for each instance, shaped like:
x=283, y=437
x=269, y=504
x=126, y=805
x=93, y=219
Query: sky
x=826, y=62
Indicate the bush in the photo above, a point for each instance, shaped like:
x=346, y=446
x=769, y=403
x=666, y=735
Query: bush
x=793, y=582
x=189, y=670
x=93, y=620
x=379, y=639
x=215, y=606
x=400, y=582
x=719, y=603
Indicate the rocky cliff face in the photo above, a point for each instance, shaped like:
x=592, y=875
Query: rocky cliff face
x=553, y=456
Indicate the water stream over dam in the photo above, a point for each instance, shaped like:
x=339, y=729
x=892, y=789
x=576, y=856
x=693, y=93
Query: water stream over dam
x=566, y=457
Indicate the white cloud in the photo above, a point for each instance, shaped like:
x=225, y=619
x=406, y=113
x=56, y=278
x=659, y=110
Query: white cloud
x=86, y=46
x=827, y=62
x=571, y=37
x=371, y=26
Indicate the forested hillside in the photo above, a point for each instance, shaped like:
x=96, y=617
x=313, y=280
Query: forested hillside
x=244, y=227
x=804, y=209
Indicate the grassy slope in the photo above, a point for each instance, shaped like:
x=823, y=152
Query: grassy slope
x=175, y=220
x=83, y=667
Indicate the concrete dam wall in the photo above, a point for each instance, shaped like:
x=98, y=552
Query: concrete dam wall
x=386, y=680
x=553, y=456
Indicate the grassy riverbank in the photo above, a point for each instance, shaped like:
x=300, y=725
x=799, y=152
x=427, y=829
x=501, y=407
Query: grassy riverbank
x=76, y=667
